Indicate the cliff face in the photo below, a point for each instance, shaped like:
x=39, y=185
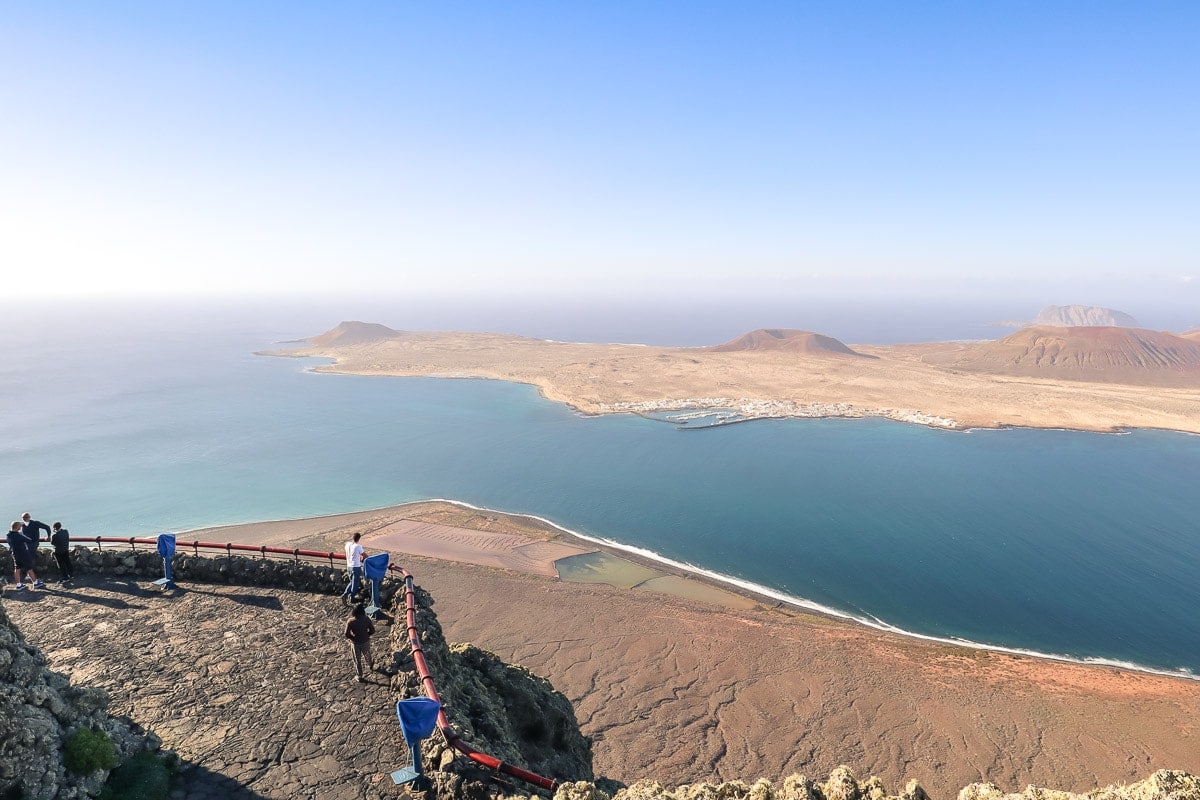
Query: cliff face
x=520, y=718
x=39, y=710
x=278, y=724
x=843, y=785
x=502, y=709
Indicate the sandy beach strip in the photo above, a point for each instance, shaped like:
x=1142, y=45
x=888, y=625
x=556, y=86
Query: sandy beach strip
x=509, y=542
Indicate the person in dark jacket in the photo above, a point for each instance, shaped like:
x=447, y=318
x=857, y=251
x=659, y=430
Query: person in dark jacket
x=31, y=528
x=359, y=629
x=22, y=555
x=61, y=539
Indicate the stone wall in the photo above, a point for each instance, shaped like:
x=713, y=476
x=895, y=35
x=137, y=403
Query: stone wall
x=210, y=566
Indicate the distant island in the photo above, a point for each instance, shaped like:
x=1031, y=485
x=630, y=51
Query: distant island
x=1076, y=316
x=1096, y=378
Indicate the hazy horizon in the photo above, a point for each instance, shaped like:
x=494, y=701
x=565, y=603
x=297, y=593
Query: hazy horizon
x=677, y=321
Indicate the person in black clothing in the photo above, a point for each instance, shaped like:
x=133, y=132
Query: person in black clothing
x=61, y=539
x=30, y=528
x=359, y=630
x=21, y=550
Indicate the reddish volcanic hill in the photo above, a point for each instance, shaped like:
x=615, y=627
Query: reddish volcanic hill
x=1117, y=355
x=354, y=333
x=784, y=339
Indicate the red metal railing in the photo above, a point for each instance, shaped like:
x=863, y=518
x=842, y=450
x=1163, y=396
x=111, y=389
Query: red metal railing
x=414, y=638
x=448, y=732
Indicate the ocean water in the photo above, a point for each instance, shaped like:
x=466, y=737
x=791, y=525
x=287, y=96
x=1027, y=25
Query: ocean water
x=130, y=421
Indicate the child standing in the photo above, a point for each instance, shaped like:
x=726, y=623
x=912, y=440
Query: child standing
x=61, y=539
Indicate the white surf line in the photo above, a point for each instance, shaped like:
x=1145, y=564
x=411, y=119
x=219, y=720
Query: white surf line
x=869, y=621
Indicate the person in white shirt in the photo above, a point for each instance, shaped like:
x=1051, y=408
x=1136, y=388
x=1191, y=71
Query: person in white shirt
x=354, y=559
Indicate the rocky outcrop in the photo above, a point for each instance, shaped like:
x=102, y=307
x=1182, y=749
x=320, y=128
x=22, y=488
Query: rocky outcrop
x=1076, y=315
x=1162, y=785
x=843, y=785
x=39, y=711
x=502, y=709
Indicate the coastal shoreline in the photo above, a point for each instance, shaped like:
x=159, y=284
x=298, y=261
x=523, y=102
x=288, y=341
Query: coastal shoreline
x=458, y=546
x=769, y=689
x=898, y=385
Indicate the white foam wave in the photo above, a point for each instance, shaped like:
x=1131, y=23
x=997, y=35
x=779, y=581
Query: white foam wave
x=867, y=620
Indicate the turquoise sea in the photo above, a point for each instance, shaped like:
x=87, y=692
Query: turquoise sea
x=1084, y=546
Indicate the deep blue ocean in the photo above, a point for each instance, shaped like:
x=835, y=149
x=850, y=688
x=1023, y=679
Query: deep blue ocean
x=127, y=420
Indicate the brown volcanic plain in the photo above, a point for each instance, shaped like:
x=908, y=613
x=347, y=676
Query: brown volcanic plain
x=1100, y=379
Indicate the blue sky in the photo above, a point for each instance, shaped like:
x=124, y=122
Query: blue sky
x=1046, y=150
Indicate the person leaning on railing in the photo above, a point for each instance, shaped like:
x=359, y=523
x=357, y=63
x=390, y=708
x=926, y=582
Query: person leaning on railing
x=61, y=539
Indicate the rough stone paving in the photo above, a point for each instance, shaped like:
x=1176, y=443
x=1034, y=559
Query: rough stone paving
x=252, y=687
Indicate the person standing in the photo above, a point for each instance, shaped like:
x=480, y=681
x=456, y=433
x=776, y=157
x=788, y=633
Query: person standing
x=61, y=539
x=31, y=527
x=354, y=559
x=22, y=555
x=359, y=630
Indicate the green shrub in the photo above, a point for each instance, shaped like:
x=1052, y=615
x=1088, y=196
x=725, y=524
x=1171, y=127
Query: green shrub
x=143, y=777
x=87, y=751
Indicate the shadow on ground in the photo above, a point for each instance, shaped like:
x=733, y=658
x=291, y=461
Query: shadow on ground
x=195, y=782
x=267, y=602
x=81, y=590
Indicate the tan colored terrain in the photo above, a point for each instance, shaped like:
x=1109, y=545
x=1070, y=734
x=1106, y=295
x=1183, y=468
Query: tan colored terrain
x=784, y=339
x=1090, y=353
x=921, y=383
x=681, y=690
